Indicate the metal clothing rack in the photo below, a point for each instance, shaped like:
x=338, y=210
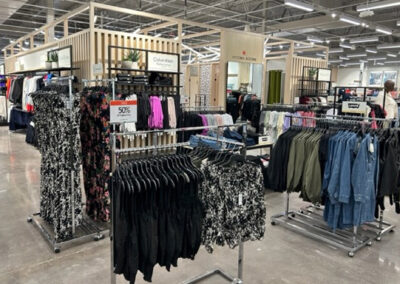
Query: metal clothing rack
x=87, y=230
x=202, y=108
x=309, y=220
x=116, y=152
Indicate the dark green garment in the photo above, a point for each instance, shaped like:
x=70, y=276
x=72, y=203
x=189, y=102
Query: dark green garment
x=274, y=87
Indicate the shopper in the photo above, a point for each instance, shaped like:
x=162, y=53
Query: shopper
x=390, y=106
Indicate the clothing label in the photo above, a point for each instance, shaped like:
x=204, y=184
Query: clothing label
x=123, y=111
x=371, y=147
x=354, y=107
x=240, y=199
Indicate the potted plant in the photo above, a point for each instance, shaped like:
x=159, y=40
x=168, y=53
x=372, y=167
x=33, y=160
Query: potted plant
x=312, y=73
x=54, y=59
x=130, y=60
x=48, y=61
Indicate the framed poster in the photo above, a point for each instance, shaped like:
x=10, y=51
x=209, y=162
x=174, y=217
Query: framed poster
x=390, y=75
x=375, y=78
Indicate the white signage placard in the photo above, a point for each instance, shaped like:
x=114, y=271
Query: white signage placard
x=324, y=75
x=354, y=107
x=97, y=69
x=64, y=58
x=2, y=71
x=123, y=111
x=161, y=62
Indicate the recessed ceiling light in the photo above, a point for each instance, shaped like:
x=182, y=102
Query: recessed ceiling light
x=349, y=20
x=299, y=5
x=377, y=5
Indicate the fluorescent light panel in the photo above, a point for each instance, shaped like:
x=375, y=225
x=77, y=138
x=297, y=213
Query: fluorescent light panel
x=388, y=46
x=356, y=55
x=392, y=62
x=364, y=39
x=376, y=58
x=344, y=58
x=378, y=5
x=344, y=45
x=392, y=55
x=299, y=5
x=335, y=61
x=336, y=50
x=383, y=30
x=380, y=63
x=371, y=50
x=315, y=39
x=350, y=20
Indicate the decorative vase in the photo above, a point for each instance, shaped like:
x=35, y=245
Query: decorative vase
x=135, y=65
x=127, y=64
x=54, y=65
x=48, y=65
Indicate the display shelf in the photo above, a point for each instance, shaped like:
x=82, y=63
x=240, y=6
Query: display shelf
x=42, y=70
x=143, y=71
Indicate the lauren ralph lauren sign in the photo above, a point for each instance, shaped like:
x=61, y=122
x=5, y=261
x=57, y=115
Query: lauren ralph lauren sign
x=162, y=62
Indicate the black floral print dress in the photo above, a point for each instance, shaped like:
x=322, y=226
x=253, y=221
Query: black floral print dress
x=95, y=132
x=59, y=145
x=233, y=200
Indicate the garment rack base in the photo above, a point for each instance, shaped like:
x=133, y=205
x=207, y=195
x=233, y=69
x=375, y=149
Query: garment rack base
x=313, y=226
x=86, y=232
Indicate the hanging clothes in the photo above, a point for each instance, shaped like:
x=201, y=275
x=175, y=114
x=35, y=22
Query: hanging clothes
x=158, y=214
x=95, y=132
x=57, y=130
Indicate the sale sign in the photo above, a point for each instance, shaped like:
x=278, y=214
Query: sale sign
x=123, y=111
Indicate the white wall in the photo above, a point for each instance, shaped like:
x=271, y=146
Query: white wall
x=347, y=76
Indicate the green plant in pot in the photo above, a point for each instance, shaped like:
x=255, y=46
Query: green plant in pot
x=131, y=59
x=49, y=61
x=312, y=73
x=54, y=59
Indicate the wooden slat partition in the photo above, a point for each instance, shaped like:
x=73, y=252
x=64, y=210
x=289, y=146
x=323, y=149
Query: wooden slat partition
x=297, y=72
x=105, y=38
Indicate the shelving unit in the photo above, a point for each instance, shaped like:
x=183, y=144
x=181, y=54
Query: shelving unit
x=171, y=89
x=312, y=87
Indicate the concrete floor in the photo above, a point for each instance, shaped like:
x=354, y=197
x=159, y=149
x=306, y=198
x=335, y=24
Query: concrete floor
x=282, y=257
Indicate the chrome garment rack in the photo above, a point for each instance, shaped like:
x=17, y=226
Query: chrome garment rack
x=309, y=220
x=85, y=232
x=115, y=155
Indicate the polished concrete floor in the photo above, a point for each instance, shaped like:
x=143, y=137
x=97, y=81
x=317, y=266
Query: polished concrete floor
x=282, y=257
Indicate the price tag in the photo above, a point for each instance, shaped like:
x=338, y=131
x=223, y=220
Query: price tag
x=123, y=111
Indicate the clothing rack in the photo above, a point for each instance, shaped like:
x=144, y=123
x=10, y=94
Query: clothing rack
x=85, y=232
x=114, y=161
x=203, y=108
x=311, y=221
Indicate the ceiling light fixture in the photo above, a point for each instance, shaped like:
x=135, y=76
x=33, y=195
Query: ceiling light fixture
x=136, y=31
x=321, y=54
x=356, y=55
x=352, y=63
x=398, y=23
x=377, y=5
x=363, y=24
x=376, y=58
x=364, y=39
x=388, y=46
x=336, y=50
x=342, y=39
x=157, y=35
x=363, y=61
x=344, y=45
x=391, y=55
x=327, y=41
x=280, y=46
x=335, y=61
x=349, y=20
x=370, y=50
x=95, y=18
x=333, y=15
x=380, y=63
x=392, y=62
x=314, y=39
x=299, y=5
x=383, y=30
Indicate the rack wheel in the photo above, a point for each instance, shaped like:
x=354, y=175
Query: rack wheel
x=98, y=237
x=391, y=231
x=293, y=215
x=273, y=223
x=351, y=254
x=56, y=250
x=378, y=238
x=369, y=243
x=29, y=219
